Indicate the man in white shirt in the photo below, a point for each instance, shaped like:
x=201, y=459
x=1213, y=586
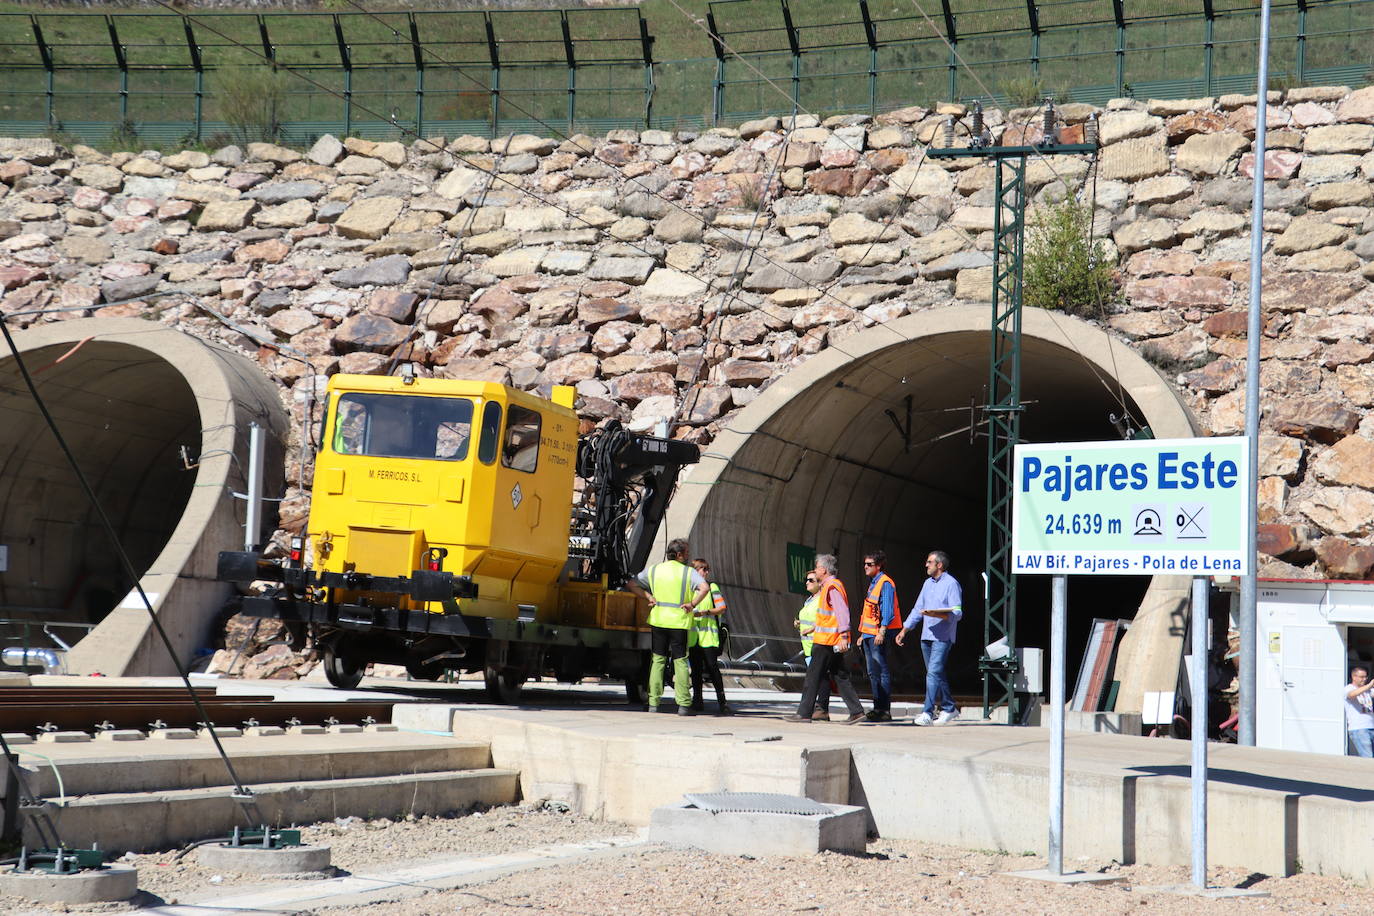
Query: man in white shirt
x=1359, y=711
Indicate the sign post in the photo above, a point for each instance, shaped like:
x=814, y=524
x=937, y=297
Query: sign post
x=1059, y=593
x=1171, y=506
x=1198, y=677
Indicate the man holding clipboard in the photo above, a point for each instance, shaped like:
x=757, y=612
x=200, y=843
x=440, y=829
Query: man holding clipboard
x=940, y=604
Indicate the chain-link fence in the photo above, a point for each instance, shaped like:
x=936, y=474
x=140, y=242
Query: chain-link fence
x=217, y=77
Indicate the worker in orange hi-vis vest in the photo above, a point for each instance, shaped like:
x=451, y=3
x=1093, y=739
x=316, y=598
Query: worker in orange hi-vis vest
x=831, y=640
x=881, y=618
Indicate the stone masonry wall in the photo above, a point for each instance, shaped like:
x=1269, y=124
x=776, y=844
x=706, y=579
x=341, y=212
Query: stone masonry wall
x=612, y=282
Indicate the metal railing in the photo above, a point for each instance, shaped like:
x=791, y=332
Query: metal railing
x=164, y=77
x=27, y=650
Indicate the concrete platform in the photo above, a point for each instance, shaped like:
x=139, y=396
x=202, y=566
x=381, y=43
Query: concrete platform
x=101, y=767
x=159, y=794
x=1127, y=798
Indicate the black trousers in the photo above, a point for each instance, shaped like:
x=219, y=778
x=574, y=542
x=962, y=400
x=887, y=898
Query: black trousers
x=668, y=641
x=826, y=663
x=706, y=663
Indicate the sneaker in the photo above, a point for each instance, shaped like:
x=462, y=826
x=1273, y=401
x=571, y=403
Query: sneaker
x=653, y=707
x=822, y=716
x=795, y=718
x=880, y=715
x=686, y=711
x=947, y=716
x=725, y=710
x=923, y=719
x=856, y=717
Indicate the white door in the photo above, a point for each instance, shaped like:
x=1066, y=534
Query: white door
x=1311, y=675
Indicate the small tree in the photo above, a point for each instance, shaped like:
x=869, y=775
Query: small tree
x=1063, y=269
x=251, y=98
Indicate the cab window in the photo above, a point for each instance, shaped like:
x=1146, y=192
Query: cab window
x=403, y=426
x=491, y=432
x=521, y=449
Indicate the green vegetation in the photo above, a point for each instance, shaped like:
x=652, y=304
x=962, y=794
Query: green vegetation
x=251, y=99
x=1076, y=49
x=1030, y=91
x=1065, y=269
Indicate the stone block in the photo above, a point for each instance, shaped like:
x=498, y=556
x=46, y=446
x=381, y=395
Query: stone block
x=1135, y=159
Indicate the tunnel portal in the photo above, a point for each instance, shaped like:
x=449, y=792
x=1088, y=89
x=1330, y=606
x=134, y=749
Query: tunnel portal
x=158, y=422
x=822, y=459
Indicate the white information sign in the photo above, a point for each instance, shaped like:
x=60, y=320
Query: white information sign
x=1130, y=508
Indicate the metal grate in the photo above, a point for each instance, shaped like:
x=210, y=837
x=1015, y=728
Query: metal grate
x=755, y=803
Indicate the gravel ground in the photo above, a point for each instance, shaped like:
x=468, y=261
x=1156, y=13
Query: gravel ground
x=358, y=845
x=894, y=877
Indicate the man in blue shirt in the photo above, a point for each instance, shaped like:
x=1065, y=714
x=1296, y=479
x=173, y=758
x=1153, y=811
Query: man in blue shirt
x=941, y=605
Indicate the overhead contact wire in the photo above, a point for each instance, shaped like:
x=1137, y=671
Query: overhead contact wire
x=572, y=138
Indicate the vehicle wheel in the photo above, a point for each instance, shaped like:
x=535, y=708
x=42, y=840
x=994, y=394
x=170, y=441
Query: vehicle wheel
x=421, y=672
x=503, y=685
x=637, y=685
x=636, y=691
x=341, y=669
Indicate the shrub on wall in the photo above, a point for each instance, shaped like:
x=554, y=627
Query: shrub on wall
x=251, y=99
x=1065, y=268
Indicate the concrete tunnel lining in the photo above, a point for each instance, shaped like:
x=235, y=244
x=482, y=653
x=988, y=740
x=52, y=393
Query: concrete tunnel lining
x=814, y=461
x=127, y=394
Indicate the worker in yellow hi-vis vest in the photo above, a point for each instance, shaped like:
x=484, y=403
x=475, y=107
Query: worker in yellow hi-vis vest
x=675, y=590
x=703, y=644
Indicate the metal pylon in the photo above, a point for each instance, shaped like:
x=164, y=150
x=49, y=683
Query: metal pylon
x=1003, y=407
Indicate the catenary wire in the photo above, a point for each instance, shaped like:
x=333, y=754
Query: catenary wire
x=771, y=83
x=573, y=139
x=522, y=190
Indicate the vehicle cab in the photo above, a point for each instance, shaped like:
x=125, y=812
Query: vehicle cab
x=472, y=478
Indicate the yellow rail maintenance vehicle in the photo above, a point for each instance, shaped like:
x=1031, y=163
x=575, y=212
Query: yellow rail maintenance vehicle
x=444, y=535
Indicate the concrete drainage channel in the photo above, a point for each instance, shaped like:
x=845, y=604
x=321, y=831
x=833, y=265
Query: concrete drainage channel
x=382, y=886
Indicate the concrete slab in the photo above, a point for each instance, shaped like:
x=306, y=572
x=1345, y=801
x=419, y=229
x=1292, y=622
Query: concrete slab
x=120, y=734
x=685, y=826
x=361, y=889
x=1192, y=890
x=148, y=821
x=150, y=766
x=1073, y=877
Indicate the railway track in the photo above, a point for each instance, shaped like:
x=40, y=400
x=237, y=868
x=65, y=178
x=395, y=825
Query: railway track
x=33, y=710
